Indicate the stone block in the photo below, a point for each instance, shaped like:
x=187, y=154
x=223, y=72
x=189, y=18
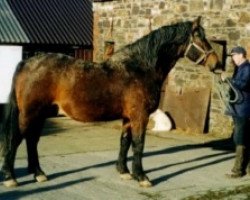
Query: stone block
x=180, y=8
x=106, y=23
x=196, y=5
x=216, y=5
x=245, y=42
x=161, y=5
x=231, y=23
x=244, y=17
x=234, y=35
x=135, y=10
x=127, y=24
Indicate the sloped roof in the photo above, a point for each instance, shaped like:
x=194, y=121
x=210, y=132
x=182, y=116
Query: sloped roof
x=59, y=22
x=10, y=29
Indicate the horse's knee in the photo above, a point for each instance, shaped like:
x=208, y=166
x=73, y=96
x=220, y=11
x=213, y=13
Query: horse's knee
x=138, y=143
x=125, y=140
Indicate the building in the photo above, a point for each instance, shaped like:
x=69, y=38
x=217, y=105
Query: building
x=29, y=27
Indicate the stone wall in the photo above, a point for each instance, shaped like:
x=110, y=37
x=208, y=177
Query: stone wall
x=124, y=21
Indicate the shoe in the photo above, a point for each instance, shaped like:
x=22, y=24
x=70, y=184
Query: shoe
x=239, y=168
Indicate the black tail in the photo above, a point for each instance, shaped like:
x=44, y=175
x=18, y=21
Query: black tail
x=10, y=129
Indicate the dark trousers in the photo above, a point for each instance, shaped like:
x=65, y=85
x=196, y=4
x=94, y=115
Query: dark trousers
x=241, y=131
x=241, y=139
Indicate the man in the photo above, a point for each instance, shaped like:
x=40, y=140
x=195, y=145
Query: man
x=240, y=113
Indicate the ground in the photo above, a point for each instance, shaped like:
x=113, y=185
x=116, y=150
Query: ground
x=79, y=159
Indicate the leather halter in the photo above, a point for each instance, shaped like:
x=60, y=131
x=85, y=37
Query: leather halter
x=204, y=53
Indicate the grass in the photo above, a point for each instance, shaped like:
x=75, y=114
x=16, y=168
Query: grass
x=243, y=190
x=152, y=196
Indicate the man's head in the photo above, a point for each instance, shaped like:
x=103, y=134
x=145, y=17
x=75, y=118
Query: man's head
x=238, y=50
x=238, y=54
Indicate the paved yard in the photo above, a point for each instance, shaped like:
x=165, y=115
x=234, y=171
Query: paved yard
x=80, y=162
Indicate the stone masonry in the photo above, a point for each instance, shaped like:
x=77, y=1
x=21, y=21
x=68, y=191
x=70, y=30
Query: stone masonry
x=125, y=21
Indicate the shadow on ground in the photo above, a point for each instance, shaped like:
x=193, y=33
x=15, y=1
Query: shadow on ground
x=225, y=146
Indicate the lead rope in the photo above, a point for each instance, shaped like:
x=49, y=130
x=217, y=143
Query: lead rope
x=223, y=89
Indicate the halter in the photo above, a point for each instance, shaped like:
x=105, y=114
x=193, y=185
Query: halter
x=203, y=53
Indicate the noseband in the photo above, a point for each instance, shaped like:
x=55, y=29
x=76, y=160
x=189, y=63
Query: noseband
x=202, y=54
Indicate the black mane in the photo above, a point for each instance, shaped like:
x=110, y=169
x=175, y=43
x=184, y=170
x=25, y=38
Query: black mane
x=143, y=53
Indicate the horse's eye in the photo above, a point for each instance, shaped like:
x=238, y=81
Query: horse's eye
x=196, y=34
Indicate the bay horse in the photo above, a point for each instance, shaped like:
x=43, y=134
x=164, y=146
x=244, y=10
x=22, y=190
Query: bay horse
x=127, y=87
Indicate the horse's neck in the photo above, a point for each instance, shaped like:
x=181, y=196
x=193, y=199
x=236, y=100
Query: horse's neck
x=163, y=69
x=167, y=61
x=160, y=58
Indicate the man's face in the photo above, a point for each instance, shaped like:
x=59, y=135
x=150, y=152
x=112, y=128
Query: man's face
x=237, y=59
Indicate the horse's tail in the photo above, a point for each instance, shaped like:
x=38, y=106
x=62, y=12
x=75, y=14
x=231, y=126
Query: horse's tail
x=9, y=131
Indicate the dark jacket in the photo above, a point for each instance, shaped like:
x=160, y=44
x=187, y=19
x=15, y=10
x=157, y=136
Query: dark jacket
x=241, y=81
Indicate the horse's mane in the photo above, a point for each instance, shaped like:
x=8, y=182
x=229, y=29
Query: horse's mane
x=143, y=52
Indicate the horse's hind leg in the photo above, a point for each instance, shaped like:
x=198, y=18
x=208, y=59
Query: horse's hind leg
x=125, y=143
x=33, y=159
x=31, y=129
x=8, y=163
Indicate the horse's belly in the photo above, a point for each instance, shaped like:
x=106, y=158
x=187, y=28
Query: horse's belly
x=90, y=113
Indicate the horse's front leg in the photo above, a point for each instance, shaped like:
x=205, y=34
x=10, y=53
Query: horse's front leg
x=125, y=143
x=138, y=140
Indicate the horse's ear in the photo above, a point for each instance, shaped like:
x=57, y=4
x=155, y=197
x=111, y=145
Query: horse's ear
x=196, y=23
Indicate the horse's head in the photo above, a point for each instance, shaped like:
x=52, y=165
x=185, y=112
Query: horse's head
x=199, y=50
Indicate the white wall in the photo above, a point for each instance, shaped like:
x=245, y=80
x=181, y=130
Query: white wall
x=9, y=58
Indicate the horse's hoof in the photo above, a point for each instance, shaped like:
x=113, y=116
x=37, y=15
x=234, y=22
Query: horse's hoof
x=145, y=183
x=41, y=178
x=126, y=176
x=10, y=183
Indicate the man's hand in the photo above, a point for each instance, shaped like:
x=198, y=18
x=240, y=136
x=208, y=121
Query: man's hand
x=225, y=75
